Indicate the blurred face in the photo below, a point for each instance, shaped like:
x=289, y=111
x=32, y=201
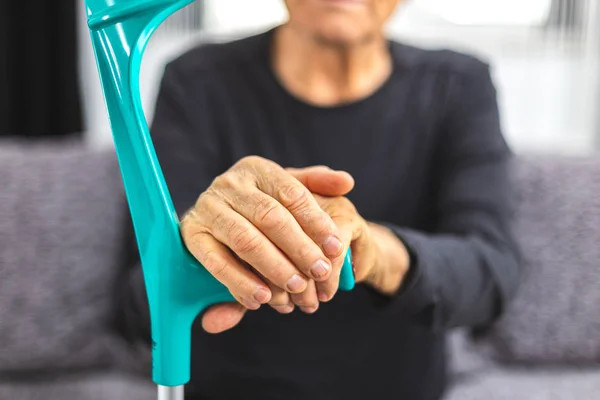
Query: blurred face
x=341, y=22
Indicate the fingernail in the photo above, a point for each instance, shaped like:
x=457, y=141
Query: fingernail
x=309, y=310
x=332, y=246
x=249, y=303
x=296, y=284
x=262, y=295
x=319, y=269
x=285, y=309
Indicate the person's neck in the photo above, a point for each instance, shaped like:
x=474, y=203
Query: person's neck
x=326, y=74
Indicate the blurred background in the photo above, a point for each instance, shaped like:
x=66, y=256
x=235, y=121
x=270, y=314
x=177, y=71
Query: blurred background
x=545, y=56
x=56, y=291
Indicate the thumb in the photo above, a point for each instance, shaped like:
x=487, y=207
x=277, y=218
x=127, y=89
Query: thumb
x=323, y=180
x=222, y=317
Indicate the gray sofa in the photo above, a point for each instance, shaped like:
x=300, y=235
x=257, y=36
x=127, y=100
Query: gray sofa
x=61, y=228
x=62, y=214
x=547, y=344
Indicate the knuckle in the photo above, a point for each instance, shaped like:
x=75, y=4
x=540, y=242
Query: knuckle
x=242, y=162
x=201, y=200
x=305, y=252
x=227, y=180
x=205, y=202
x=191, y=230
x=220, y=222
x=276, y=270
x=243, y=241
x=268, y=213
x=217, y=266
x=322, y=224
x=294, y=197
x=347, y=204
x=186, y=227
x=281, y=271
x=240, y=286
x=342, y=208
x=249, y=161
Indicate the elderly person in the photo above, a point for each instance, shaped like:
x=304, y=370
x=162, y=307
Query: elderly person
x=284, y=149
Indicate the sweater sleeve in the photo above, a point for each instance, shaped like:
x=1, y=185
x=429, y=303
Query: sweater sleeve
x=465, y=271
x=187, y=148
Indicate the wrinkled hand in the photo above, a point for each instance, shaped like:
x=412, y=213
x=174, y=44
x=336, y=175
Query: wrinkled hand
x=379, y=258
x=261, y=215
x=355, y=233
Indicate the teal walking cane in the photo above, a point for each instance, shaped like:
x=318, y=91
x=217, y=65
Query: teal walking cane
x=178, y=287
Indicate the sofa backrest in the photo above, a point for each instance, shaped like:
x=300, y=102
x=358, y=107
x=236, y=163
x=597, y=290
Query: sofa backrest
x=62, y=215
x=61, y=230
x=555, y=317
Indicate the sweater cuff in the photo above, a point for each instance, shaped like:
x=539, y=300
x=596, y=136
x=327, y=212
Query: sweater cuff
x=416, y=295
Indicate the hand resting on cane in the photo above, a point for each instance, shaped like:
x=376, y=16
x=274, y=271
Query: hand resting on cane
x=259, y=214
x=273, y=219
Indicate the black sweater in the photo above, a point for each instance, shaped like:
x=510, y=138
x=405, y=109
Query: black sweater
x=429, y=160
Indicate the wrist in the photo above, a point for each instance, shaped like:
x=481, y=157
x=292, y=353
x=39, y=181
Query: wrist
x=392, y=261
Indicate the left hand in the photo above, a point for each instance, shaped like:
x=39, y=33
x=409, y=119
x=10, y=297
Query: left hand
x=379, y=258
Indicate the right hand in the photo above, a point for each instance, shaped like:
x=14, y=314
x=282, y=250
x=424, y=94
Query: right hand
x=258, y=214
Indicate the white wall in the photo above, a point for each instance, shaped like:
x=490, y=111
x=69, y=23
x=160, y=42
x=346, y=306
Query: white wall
x=226, y=16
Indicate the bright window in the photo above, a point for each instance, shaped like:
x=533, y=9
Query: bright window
x=482, y=12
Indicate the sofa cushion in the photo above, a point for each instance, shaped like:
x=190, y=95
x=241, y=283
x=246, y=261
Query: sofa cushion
x=528, y=384
x=62, y=212
x=100, y=386
x=555, y=317
x=464, y=357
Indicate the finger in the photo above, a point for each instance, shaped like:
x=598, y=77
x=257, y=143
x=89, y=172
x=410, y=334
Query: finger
x=293, y=195
x=307, y=300
x=348, y=231
x=222, y=317
x=362, y=255
x=281, y=301
x=220, y=263
x=323, y=180
x=252, y=246
x=282, y=229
